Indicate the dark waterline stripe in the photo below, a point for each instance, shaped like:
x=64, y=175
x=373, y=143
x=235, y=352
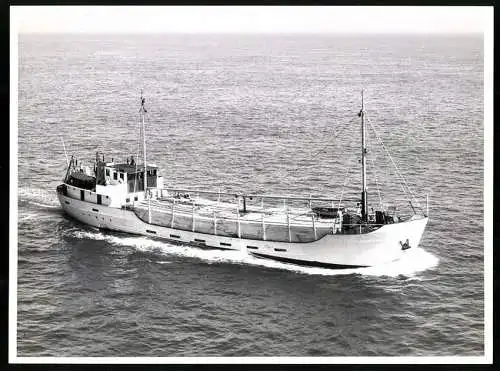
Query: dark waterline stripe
x=307, y=263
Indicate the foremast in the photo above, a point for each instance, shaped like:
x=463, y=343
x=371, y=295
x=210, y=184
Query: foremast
x=364, y=200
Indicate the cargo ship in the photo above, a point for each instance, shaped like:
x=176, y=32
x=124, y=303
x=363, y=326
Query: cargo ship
x=130, y=196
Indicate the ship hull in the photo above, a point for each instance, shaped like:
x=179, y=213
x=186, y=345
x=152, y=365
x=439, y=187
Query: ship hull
x=386, y=244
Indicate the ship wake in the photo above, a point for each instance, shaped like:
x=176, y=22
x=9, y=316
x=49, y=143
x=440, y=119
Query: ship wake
x=38, y=197
x=414, y=261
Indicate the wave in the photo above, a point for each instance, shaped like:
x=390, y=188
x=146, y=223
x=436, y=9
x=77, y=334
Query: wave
x=414, y=260
x=38, y=197
x=24, y=217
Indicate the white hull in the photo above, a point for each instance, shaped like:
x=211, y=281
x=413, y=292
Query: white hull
x=335, y=251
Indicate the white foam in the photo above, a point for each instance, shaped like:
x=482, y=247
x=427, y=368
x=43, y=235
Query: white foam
x=89, y=235
x=414, y=260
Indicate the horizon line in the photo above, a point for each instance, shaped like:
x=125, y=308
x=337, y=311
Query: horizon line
x=251, y=33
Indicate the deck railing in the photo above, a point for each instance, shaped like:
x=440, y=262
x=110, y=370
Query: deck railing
x=294, y=227
x=198, y=223
x=252, y=195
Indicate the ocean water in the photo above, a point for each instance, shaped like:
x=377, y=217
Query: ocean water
x=251, y=113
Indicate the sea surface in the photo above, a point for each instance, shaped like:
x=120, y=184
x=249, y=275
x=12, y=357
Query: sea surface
x=251, y=113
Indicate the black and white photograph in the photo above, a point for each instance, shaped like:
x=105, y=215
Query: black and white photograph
x=251, y=184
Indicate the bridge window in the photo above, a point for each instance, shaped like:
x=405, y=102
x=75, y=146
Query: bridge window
x=121, y=176
x=115, y=175
x=107, y=172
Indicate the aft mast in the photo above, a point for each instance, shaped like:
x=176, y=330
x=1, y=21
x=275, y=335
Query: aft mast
x=364, y=201
x=143, y=113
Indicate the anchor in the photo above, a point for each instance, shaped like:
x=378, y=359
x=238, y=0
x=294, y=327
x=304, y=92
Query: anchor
x=406, y=245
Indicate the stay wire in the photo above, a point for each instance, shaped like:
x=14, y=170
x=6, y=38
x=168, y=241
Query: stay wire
x=398, y=172
x=346, y=178
x=327, y=145
x=376, y=182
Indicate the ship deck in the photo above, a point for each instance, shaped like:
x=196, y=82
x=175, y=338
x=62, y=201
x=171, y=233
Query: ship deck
x=205, y=208
x=274, y=222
